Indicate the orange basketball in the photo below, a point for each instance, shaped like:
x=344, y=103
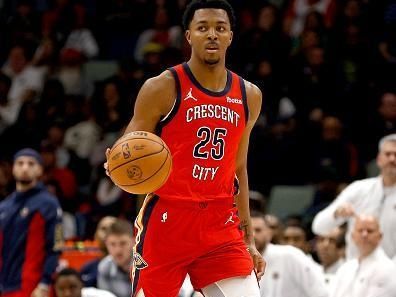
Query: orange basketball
x=139, y=162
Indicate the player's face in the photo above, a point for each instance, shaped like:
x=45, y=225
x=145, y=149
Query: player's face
x=209, y=35
x=366, y=235
x=26, y=170
x=262, y=233
x=386, y=158
x=120, y=248
x=68, y=286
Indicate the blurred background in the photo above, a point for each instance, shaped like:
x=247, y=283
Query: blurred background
x=70, y=71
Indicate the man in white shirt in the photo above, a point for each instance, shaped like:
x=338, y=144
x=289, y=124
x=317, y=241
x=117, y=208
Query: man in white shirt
x=376, y=196
x=372, y=273
x=289, y=271
x=331, y=251
x=68, y=283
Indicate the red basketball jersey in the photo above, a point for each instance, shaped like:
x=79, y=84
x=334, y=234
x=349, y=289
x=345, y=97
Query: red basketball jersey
x=203, y=131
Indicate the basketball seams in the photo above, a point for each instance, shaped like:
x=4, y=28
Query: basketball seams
x=162, y=165
x=120, y=141
x=142, y=157
x=154, y=153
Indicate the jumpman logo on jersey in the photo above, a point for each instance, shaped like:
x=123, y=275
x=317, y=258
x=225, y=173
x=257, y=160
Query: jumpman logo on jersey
x=190, y=96
x=230, y=220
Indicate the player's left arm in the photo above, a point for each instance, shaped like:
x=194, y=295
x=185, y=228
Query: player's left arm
x=254, y=99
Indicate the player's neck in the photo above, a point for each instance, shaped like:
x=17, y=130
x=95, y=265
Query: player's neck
x=211, y=77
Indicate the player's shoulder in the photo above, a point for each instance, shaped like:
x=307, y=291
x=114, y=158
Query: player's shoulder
x=254, y=98
x=161, y=82
x=252, y=89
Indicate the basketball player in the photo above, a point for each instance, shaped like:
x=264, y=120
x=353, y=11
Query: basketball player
x=205, y=114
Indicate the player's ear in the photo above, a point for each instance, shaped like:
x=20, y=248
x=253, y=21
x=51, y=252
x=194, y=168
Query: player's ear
x=187, y=34
x=231, y=36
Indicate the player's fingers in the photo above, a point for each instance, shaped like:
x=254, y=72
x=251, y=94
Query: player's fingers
x=260, y=268
x=107, y=152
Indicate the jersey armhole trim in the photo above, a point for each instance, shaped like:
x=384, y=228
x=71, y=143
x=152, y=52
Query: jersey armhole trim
x=244, y=98
x=176, y=104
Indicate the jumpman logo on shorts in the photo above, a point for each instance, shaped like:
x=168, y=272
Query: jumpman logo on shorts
x=190, y=96
x=230, y=220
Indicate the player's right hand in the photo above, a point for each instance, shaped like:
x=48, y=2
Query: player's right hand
x=258, y=261
x=344, y=211
x=105, y=165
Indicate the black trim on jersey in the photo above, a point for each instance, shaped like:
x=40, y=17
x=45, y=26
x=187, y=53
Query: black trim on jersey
x=206, y=91
x=244, y=98
x=139, y=248
x=176, y=105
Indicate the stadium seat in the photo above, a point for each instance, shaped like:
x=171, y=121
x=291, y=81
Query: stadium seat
x=290, y=200
x=372, y=169
x=99, y=70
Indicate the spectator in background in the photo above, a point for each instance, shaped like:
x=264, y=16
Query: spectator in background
x=23, y=25
x=64, y=177
x=276, y=226
x=297, y=11
x=6, y=179
x=382, y=122
x=58, y=21
x=372, y=273
x=26, y=83
x=289, y=271
x=31, y=231
x=334, y=152
x=68, y=283
x=376, y=196
x=114, y=269
x=71, y=74
x=82, y=40
x=89, y=272
x=294, y=234
x=330, y=250
x=162, y=33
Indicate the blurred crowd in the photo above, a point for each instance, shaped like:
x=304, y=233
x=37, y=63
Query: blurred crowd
x=327, y=70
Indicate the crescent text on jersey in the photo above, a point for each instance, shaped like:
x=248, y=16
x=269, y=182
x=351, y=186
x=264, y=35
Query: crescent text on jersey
x=212, y=111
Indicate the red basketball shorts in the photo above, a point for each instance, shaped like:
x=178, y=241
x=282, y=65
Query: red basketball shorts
x=174, y=238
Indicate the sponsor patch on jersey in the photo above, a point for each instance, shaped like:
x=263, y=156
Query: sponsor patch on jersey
x=234, y=100
x=139, y=262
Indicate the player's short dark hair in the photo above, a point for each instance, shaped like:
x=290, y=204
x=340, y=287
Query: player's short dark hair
x=201, y=4
x=68, y=272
